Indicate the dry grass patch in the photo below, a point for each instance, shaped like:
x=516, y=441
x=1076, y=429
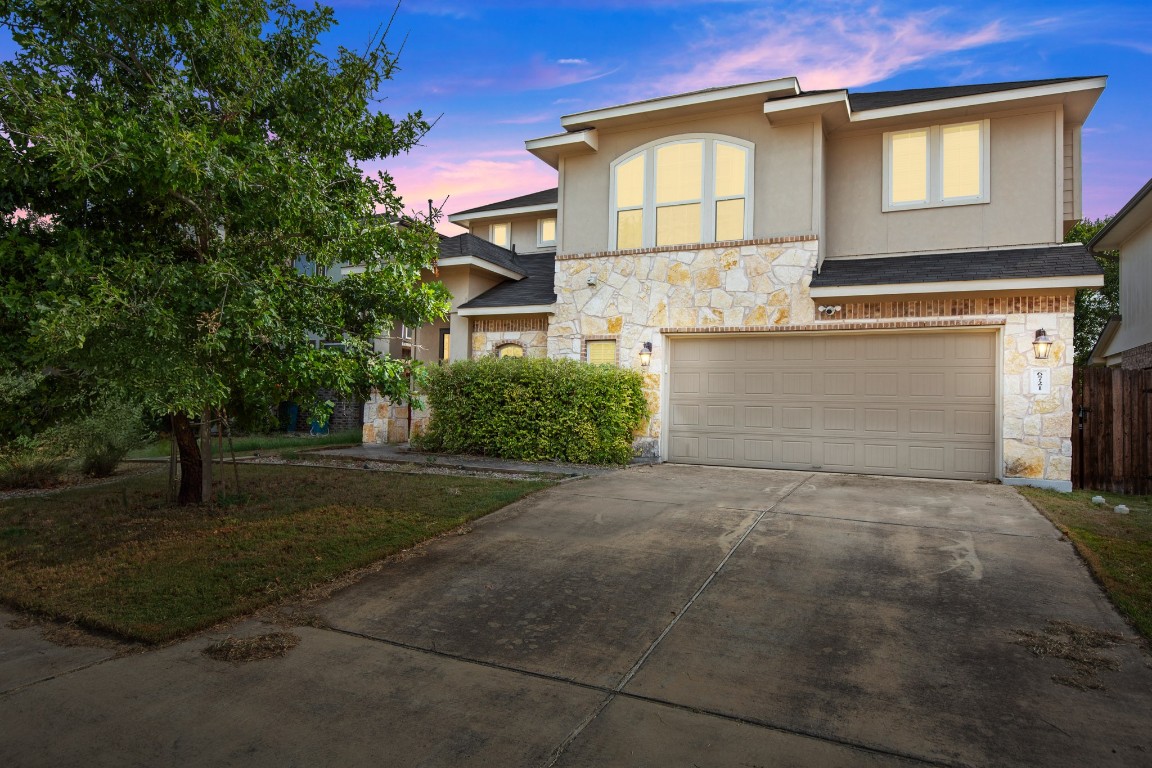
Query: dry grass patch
x=238, y=649
x=1077, y=645
x=119, y=558
x=1118, y=548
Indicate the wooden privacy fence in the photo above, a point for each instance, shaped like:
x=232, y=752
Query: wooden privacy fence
x=1112, y=430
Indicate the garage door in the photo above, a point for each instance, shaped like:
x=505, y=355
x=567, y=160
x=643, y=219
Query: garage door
x=915, y=404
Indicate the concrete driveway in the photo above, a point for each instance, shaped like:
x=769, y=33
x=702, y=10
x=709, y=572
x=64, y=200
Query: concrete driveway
x=659, y=616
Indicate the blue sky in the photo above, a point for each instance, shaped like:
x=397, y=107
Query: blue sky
x=498, y=72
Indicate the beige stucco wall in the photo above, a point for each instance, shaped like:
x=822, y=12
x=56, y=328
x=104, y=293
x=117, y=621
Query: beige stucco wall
x=1023, y=194
x=524, y=230
x=783, y=176
x=1135, y=292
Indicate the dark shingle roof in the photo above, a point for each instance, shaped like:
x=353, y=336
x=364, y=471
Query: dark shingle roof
x=1011, y=263
x=861, y=102
x=543, y=197
x=470, y=245
x=539, y=287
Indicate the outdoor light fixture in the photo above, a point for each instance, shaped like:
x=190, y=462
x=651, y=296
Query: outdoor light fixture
x=1042, y=345
x=646, y=354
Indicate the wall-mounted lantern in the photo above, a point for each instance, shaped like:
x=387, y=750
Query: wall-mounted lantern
x=646, y=354
x=1042, y=345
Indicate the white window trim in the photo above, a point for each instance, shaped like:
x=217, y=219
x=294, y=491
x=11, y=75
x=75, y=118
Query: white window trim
x=492, y=237
x=935, y=166
x=708, y=199
x=540, y=241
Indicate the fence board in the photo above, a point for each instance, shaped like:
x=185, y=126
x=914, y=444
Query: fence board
x=1112, y=430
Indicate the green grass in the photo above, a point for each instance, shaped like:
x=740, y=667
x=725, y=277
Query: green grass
x=1118, y=548
x=272, y=443
x=119, y=558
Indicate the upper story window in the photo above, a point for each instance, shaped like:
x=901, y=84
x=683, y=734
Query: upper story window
x=545, y=232
x=936, y=166
x=695, y=189
x=500, y=234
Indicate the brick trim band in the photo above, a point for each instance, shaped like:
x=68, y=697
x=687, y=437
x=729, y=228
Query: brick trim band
x=874, y=325
x=687, y=247
x=510, y=325
x=993, y=305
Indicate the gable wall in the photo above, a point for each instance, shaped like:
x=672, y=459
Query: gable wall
x=1022, y=208
x=783, y=183
x=1135, y=292
x=523, y=230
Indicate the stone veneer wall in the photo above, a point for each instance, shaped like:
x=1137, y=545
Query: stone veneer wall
x=1037, y=429
x=630, y=295
x=531, y=333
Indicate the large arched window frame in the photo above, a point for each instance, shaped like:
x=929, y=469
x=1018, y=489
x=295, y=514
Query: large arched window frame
x=681, y=211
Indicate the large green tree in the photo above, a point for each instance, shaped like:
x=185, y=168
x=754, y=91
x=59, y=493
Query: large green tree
x=165, y=164
x=1094, y=306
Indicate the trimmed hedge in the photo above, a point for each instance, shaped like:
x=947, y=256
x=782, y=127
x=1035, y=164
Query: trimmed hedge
x=535, y=409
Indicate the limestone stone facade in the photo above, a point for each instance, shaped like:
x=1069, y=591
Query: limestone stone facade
x=630, y=296
x=529, y=333
x=1036, y=429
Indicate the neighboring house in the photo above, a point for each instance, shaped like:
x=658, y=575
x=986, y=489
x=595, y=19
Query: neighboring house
x=821, y=280
x=1126, y=342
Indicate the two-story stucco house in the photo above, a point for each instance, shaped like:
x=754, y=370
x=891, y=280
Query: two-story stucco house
x=852, y=282
x=1126, y=342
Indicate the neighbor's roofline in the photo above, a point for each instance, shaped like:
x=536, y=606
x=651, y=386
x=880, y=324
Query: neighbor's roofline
x=1119, y=228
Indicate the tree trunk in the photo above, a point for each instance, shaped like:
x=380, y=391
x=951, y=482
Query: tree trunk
x=206, y=456
x=191, y=490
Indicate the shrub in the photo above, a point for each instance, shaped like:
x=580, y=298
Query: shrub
x=33, y=462
x=535, y=409
x=105, y=434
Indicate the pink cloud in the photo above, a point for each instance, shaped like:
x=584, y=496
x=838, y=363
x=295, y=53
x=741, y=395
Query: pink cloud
x=829, y=49
x=467, y=178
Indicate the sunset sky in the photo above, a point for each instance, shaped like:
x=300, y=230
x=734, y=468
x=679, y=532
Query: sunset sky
x=497, y=72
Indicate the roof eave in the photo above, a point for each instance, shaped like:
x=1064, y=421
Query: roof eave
x=707, y=100
x=551, y=148
x=1130, y=219
x=958, y=286
x=1090, y=88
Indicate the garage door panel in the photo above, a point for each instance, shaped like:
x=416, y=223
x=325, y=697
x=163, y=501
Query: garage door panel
x=913, y=404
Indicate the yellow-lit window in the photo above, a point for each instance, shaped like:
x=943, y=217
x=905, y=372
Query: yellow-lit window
x=602, y=351
x=445, y=344
x=695, y=189
x=500, y=234
x=936, y=166
x=546, y=232
x=510, y=350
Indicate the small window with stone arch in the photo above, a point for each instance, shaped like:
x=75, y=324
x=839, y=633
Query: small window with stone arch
x=509, y=350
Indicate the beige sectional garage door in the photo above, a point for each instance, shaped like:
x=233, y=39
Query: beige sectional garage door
x=916, y=404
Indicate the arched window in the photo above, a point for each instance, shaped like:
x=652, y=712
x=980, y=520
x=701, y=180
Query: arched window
x=681, y=191
x=509, y=350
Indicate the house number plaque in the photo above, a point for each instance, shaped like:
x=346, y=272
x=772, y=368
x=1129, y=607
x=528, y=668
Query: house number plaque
x=1040, y=381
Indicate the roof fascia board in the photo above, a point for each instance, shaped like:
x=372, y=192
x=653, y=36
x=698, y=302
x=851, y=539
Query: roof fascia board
x=464, y=218
x=981, y=99
x=958, y=286
x=472, y=261
x=784, y=85
x=783, y=106
x=526, y=309
x=551, y=148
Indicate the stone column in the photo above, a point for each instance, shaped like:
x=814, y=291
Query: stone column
x=461, y=342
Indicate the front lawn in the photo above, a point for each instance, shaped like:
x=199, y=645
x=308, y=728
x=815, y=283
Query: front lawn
x=273, y=442
x=1117, y=547
x=117, y=557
